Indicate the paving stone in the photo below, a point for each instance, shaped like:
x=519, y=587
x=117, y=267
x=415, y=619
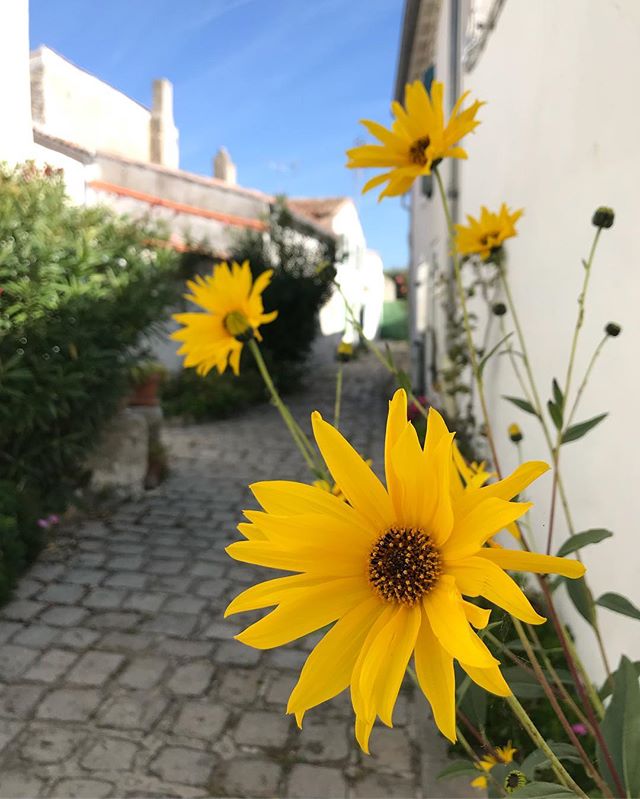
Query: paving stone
x=287, y=658
x=94, y=668
x=207, y=569
x=279, y=689
x=201, y=720
x=125, y=563
x=237, y=654
x=191, y=679
x=22, y=610
x=146, y=602
x=178, y=624
x=18, y=700
x=129, y=549
x=127, y=580
x=77, y=638
x=252, y=777
x=88, y=559
x=52, y=665
x=127, y=642
x=143, y=672
x=186, y=766
x=8, y=731
x=78, y=788
x=263, y=728
x=104, y=599
x=7, y=629
x=61, y=594
x=173, y=584
x=184, y=604
x=69, y=704
x=19, y=784
x=115, y=620
x=324, y=741
x=110, y=754
x=88, y=576
x=391, y=749
x=27, y=588
x=316, y=782
x=36, y=636
x=212, y=588
x=165, y=567
x=46, y=744
x=46, y=572
x=239, y=686
x=185, y=649
x=133, y=711
x=14, y=660
x=381, y=786
x=222, y=630
x=64, y=616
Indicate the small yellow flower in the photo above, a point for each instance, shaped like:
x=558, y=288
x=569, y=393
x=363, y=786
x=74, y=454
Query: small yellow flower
x=504, y=754
x=515, y=433
x=344, y=352
x=234, y=312
x=485, y=235
x=390, y=567
x=417, y=141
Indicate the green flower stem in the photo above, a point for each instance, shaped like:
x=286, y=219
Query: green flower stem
x=593, y=694
x=375, y=351
x=553, y=701
x=532, y=731
x=336, y=410
x=585, y=379
x=534, y=399
x=300, y=439
x=467, y=325
x=567, y=385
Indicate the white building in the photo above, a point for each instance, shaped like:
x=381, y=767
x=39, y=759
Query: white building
x=557, y=138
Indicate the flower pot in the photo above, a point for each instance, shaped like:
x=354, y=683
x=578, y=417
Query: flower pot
x=146, y=393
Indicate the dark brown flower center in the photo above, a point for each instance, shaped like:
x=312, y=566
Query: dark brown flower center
x=490, y=239
x=404, y=565
x=418, y=151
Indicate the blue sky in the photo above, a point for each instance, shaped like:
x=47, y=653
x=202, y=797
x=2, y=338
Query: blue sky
x=281, y=83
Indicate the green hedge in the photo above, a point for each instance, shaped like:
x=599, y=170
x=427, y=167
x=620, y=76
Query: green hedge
x=78, y=287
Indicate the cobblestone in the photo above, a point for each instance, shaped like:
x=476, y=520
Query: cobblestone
x=118, y=674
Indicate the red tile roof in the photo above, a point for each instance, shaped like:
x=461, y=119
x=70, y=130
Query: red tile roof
x=319, y=210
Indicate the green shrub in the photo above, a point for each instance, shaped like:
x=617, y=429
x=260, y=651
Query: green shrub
x=78, y=287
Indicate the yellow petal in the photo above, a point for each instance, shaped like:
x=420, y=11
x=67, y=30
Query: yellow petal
x=308, y=611
x=443, y=606
x=412, y=481
x=396, y=423
x=407, y=624
x=436, y=430
x=513, y=485
x=479, y=577
x=265, y=553
x=327, y=671
x=483, y=521
x=477, y=616
x=490, y=679
x=356, y=480
x=434, y=669
x=270, y=592
x=517, y=560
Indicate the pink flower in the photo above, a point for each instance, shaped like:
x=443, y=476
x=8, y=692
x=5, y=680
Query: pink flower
x=579, y=729
x=413, y=411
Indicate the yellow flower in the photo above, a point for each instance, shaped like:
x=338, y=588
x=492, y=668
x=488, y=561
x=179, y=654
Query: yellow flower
x=483, y=236
x=390, y=568
x=417, y=141
x=515, y=433
x=234, y=312
x=504, y=755
x=344, y=352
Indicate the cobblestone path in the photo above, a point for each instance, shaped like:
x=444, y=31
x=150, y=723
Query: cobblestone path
x=118, y=676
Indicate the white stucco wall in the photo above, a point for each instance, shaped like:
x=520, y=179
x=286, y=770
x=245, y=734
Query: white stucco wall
x=16, y=139
x=74, y=105
x=558, y=137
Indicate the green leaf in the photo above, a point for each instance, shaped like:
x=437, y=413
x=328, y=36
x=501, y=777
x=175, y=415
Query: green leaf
x=621, y=729
x=578, y=430
x=558, y=397
x=538, y=759
x=619, y=604
x=580, y=540
x=607, y=686
x=523, y=684
x=582, y=599
x=491, y=352
x=459, y=768
x=555, y=413
x=522, y=404
x=474, y=705
x=544, y=790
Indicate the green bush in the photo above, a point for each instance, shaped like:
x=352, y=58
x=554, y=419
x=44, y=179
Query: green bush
x=78, y=287
x=297, y=291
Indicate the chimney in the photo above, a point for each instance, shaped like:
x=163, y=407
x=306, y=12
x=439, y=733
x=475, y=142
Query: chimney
x=163, y=134
x=224, y=168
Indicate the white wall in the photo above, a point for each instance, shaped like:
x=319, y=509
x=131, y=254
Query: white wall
x=559, y=137
x=16, y=138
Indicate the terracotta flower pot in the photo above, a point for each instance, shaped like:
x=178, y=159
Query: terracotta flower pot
x=146, y=393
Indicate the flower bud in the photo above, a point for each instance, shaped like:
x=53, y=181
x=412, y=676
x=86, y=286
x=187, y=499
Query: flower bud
x=515, y=433
x=344, y=352
x=238, y=326
x=499, y=308
x=612, y=329
x=603, y=217
x=514, y=780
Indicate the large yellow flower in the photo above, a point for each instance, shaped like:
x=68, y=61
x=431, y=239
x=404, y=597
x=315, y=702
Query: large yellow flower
x=504, y=754
x=417, y=141
x=390, y=568
x=234, y=312
x=484, y=235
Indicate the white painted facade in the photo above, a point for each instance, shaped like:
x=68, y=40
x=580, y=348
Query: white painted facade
x=558, y=138
x=16, y=140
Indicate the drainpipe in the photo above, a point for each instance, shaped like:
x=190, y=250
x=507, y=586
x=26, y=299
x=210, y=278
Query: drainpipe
x=455, y=89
